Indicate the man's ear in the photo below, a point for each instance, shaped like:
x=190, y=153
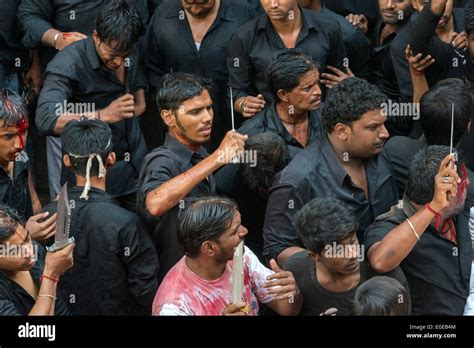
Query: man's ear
x=96, y=37
x=342, y=131
x=111, y=159
x=208, y=248
x=282, y=95
x=168, y=117
x=67, y=161
x=314, y=256
x=414, y=3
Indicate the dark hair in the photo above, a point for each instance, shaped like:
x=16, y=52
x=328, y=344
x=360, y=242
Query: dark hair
x=179, y=87
x=271, y=156
x=381, y=295
x=119, y=24
x=349, y=100
x=12, y=108
x=9, y=221
x=324, y=221
x=469, y=17
x=84, y=138
x=286, y=69
x=436, y=111
x=423, y=170
x=202, y=219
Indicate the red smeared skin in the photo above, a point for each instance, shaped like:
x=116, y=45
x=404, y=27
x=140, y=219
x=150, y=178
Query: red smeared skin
x=22, y=129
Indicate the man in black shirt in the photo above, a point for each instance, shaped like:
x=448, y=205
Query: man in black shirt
x=204, y=32
x=284, y=25
x=16, y=187
x=433, y=31
x=124, y=272
x=14, y=56
x=48, y=27
x=331, y=269
x=181, y=168
x=427, y=236
x=435, y=115
x=102, y=77
x=293, y=80
x=355, y=42
x=345, y=165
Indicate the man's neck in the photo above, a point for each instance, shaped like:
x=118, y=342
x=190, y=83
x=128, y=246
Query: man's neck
x=96, y=182
x=211, y=15
x=288, y=25
x=5, y=165
x=205, y=267
x=294, y=117
x=342, y=154
x=194, y=147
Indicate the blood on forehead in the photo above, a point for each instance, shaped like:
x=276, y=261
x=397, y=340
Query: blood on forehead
x=22, y=127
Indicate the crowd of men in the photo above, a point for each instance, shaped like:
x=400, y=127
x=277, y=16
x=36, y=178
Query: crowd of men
x=332, y=137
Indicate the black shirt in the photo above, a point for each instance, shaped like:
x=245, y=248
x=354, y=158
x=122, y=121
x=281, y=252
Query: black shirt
x=14, y=191
x=420, y=34
x=12, y=51
x=77, y=75
x=269, y=121
x=317, y=299
x=399, y=152
x=316, y=172
x=167, y=54
x=252, y=48
x=159, y=166
x=36, y=17
x=437, y=270
x=15, y=300
x=355, y=43
x=115, y=262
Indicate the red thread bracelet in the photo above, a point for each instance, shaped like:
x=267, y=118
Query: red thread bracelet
x=49, y=278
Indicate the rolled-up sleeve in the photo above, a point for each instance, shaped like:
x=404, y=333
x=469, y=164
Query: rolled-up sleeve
x=34, y=20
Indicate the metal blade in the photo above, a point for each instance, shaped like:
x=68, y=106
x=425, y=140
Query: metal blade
x=63, y=222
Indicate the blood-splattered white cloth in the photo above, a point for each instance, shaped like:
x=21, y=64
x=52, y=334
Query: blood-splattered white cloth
x=182, y=292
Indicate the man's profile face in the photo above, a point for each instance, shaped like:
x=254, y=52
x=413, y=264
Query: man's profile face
x=198, y=8
x=193, y=119
x=307, y=95
x=395, y=11
x=418, y=5
x=367, y=136
x=12, y=142
x=278, y=10
x=108, y=55
x=230, y=239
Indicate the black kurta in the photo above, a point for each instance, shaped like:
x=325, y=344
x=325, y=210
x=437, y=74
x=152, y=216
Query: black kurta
x=115, y=262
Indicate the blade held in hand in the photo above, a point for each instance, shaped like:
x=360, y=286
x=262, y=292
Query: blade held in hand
x=238, y=276
x=63, y=222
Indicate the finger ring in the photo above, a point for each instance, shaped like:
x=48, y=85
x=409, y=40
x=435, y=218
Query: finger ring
x=244, y=109
x=445, y=179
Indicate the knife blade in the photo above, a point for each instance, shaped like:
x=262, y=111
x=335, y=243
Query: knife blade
x=63, y=222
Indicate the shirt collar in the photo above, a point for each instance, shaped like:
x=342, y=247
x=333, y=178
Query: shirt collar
x=265, y=23
x=335, y=167
x=91, y=53
x=183, y=153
